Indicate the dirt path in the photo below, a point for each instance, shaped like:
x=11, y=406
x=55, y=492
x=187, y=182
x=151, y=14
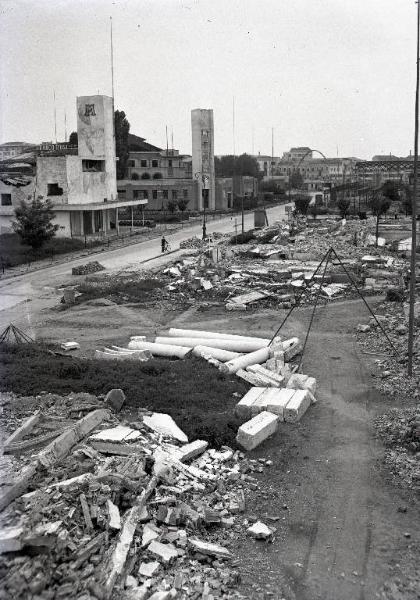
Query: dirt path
x=340, y=534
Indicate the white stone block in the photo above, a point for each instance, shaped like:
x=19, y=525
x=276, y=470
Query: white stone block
x=297, y=406
x=254, y=432
x=166, y=552
x=277, y=380
x=243, y=408
x=275, y=401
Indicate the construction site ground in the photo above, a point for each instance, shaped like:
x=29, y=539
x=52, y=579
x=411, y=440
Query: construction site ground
x=344, y=530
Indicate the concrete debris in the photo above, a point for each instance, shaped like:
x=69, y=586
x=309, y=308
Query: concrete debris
x=297, y=406
x=115, y=399
x=260, y=531
x=252, y=433
x=70, y=346
x=165, y=425
x=209, y=549
x=298, y=381
x=87, y=269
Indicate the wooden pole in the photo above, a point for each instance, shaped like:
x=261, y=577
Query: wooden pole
x=414, y=211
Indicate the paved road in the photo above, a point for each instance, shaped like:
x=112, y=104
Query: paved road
x=40, y=285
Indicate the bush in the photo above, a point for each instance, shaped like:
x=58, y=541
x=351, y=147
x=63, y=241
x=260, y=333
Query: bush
x=395, y=295
x=179, y=388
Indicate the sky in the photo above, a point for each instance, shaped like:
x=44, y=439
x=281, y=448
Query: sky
x=334, y=75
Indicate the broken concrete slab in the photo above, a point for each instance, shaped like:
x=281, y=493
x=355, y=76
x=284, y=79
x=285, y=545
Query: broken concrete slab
x=165, y=425
x=297, y=406
x=120, y=433
x=252, y=433
x=277, y=380
x=166, y=552
x=115, y=399
x=274, y=401
x=11, y=539
x=67, y=346
x=209, y=548
x=27, y=426
x=260, y=531
x=149, y=569
x=114, y=515
x=150, y=533
x=190, y=451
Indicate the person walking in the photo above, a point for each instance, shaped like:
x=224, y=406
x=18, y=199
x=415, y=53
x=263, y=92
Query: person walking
x=163, y=244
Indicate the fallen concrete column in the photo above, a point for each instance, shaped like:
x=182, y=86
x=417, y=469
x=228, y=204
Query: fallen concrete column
x=223, y=344
x=217, y=353
x=161, y=349
x=291, y=348
x=253, y=358
x=194, y=333
x=252, y=433
x=297, y=406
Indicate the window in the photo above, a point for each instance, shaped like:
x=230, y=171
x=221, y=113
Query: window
x=157, y=176
x=145, y=194
x=122, y=193
x=6, y=199
x=93, y=166
x=166, y=194
x=131, y=163
x=143, y=163
x=53, y=189
x=154, y=194
x=185, y=193
x=155, y=163
x=169, y=163
x=145, y=176
x=174, y=194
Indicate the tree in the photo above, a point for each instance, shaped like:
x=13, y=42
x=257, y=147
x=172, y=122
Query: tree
x=379, y=205
x=296, y=180
x=302, y=204
x=172, y=206
x=390, y=190
x=34, y=222
x=73, y=139
x=182, y=204
x=229, y=165
x=343, y=205
x=407, y=196
x=122, y=129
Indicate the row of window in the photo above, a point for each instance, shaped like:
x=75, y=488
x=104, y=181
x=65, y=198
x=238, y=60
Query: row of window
x=150, y=163
x=144, y=194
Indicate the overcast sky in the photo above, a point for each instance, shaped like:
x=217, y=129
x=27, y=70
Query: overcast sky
x=336, y=75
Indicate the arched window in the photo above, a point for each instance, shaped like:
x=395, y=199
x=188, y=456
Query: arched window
x=157, y=176
x=145, y=176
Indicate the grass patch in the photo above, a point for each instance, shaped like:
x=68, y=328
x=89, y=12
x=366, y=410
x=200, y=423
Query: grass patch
x=120, y=289
x=194, y=393
x=13, y=253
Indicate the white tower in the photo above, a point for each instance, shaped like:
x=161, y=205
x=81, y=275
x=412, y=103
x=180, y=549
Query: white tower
x=203, y=154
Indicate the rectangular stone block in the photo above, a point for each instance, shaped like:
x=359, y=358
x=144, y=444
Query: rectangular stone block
x=252, y=433
x=297, y=406
x=277, y=380
x=275, y=401
x=243, y=408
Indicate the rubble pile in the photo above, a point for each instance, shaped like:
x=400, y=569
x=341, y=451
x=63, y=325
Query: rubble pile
x=399, y=430
x=118, y=509
x=90, y=267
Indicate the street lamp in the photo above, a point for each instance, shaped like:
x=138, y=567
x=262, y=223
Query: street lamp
x=205, y=196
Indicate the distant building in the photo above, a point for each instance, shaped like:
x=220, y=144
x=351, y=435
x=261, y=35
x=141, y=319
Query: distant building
x=297, y=154
x=11, y=149
x=13, y=189
x=202, y=127
x=266, y=164
x=229, y=188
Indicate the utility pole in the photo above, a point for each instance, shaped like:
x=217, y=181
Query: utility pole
x=414, y=208
x=55, y=119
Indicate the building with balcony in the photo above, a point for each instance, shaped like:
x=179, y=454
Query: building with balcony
x=83, y=186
